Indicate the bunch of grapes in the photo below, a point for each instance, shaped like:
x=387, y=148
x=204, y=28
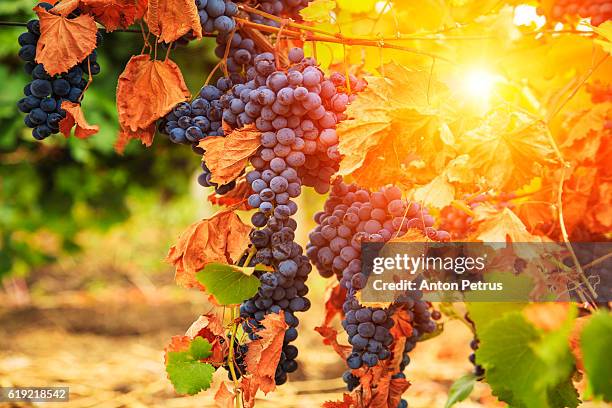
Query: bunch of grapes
x=599, y=11
x=287, y=106
x=240, y=55
x=215, y=16
x=45, y=93
x=352, y=216
x=297, y=111
x=280, y=8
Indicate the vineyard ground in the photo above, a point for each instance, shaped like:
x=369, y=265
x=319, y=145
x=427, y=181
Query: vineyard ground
x=106, y=346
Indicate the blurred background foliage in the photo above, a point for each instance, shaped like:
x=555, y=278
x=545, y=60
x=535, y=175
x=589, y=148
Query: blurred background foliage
x=54, y=191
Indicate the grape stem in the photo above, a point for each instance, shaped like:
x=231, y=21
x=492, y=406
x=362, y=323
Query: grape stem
x=230, y=357
x=335, y=38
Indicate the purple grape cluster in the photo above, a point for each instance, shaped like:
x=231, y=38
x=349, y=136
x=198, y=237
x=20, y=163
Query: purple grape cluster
x=297, y=111
x=280, y=8
x=352, y=216
x=216, y=16
x=240, y=56
x=279, y=103
x=45, y=93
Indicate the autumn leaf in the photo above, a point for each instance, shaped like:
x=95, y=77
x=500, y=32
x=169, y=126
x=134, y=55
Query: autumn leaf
x=508, y=149
x=74, y=115
x=64, y=42
x=114, y=14
x=334, y=299
x=393, y=125
x=169, y=20
x=65, y=7
x=330, y=338
x=224, y=398
x=318, y=10
x=264, y=353
x=144, y=135
x=227, y=156
x=347, y=402
x=402, y=324
x=221, y=238
x=605, y=31
x=147, y=90
x=236, y=199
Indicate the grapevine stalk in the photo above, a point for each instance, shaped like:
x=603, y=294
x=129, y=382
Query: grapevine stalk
x=230, y=357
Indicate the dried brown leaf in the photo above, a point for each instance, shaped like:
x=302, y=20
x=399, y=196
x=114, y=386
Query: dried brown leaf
x=227, y=156
x=74, y=116
x=64, y=42
x=221, y=238
x=171, y=19
x=264, y=354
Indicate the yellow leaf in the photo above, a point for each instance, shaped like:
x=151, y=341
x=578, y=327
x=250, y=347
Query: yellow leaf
x=507, y=149
x=605, y=30
x=318, y=10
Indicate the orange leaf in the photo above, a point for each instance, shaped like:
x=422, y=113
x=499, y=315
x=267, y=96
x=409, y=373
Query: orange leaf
x=249, y=388
x=113, y=14
x=330, y=338
x=264, y=354
x=208, y=326
x=347, y=402
x=403, y=324
x=144, y=135
x=334, y=298
x=74, y=115
x=547, y=316
x=227, y=156
x=171, y=19
x=224, y=398
x=64, y=42
x=235, y=199
x=147, y=90
x=221, y=238
x=177, y=343
x=65, y=7
x=498, y=226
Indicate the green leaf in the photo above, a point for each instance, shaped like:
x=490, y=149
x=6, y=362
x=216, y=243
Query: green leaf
x=460, y=390
x=227, y=284
x=484, y=313
x=525, y=366
x=596, y=345
x=187, y=375
x=200, y=348
x=186, y=372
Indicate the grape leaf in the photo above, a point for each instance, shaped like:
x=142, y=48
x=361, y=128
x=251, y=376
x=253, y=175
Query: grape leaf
x=235, y=199
x=318, y=10
x=114, y=14
x=65, y=7
x=605, y=31
x=499, y=226
x=159, y=83
x=224, y=397
x=185, y=370
x=64, y=42
x=74, y=116
x=145, y=135
x=330, y=338
x=171, y=19
x=264, y=353
x=521, y=367
x=596, y=346
x=508, y=149
x=334, y=298
x=228, y=285
x=347, y=402
x=221, y=238
x=460, y=390
x=227, y=156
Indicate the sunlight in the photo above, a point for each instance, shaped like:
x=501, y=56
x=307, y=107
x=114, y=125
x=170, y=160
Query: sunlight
x=528, y=15
x=382, y=6
x=479, y=83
